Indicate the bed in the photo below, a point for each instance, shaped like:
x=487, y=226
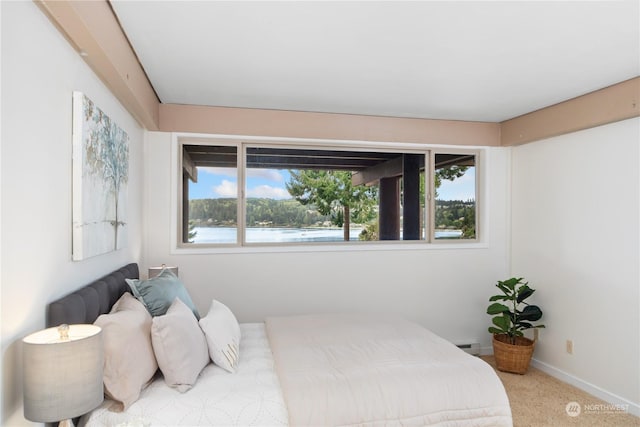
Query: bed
x=314, y=370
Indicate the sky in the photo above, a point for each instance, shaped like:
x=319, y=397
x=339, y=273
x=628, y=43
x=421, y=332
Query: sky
x=223, y=182
x=270, y=183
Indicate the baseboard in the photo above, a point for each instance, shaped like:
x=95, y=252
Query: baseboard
x=486, y=351
x=633, y=408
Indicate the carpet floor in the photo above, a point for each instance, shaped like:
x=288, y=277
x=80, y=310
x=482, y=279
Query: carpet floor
x=540, y=400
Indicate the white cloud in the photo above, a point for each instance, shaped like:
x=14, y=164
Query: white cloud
x=462, y=188
x=231, y=172
x=268, y=192
x=268, y=174
x=230, y=189
x=226, y=189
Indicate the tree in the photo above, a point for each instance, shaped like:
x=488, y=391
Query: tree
x=454, y=213
x=332, y=193
x=370, y=232
x=107, y=156
x=448, y=173
x=191, y=237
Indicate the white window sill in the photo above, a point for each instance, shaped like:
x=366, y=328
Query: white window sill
x=302, y=248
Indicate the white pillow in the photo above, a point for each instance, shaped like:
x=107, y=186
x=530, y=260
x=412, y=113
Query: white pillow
x=179, y=345
x=129, y=362
x=223, y=336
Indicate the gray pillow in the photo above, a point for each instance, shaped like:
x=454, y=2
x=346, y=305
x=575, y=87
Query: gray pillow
x=158, y=293
x=180, y=346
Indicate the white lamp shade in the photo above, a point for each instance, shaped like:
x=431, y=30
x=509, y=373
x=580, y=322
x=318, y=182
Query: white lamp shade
x=154, y=271
x=62, y=378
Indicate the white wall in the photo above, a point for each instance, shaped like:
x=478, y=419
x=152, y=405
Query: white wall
x=39, y=72
x=575, y=220
x=444, y=289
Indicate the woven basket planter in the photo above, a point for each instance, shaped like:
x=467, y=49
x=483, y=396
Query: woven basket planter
x=510, y=357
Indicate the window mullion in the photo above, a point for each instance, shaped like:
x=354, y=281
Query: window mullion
x=241, y=194
x=430, y=195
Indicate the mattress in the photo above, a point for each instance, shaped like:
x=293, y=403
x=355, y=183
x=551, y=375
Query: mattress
x=250, y=397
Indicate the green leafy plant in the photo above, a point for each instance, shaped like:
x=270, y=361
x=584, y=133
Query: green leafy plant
x=508, y=318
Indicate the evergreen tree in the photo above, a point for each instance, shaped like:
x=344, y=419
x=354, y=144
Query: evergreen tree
x=332, y=193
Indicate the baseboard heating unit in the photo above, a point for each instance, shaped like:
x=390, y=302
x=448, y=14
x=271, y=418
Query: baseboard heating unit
x=472, y=347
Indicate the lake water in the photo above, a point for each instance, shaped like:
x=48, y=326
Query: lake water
x=287, y=235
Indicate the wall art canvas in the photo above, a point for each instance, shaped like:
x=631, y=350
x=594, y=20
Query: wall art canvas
x=100, y=176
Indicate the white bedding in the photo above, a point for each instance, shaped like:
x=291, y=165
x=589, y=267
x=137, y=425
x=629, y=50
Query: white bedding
x=347, y=370
x=331, y=370
x=249, y=397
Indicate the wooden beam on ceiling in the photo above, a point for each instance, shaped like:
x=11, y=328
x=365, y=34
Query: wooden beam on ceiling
x=443, y=160
x=291, y=158
x=285, y=158
x=348, y=127
x=306, y=163
x=611, y=104
x=94, y=31
x=189, y=167
x=389, y=169
x=376, y=156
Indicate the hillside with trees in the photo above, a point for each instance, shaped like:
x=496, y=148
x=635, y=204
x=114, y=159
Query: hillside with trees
x=449, y=214
x=456, y=215
x=260, y=212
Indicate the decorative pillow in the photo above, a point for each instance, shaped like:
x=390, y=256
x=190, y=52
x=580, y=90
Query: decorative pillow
x=129, y=362
x=179, y=345
x=223, y=336
x=158, y=293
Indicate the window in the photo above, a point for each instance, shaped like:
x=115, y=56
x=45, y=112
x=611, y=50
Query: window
x=210, y=194
x=455, y=196
x=246, y=193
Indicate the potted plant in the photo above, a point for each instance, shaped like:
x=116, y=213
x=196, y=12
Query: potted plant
x=511, y=349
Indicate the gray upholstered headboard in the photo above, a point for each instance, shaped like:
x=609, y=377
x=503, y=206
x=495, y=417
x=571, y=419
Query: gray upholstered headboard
x=92, y=300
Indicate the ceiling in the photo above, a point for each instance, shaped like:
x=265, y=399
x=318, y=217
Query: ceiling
x=473, y=60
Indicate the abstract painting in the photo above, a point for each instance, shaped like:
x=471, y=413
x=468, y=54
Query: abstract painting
x=100, y=176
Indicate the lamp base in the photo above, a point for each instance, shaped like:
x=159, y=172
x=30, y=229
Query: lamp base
x=65, y=423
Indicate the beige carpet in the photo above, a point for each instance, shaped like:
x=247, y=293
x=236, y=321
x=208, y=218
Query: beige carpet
x=538, y=399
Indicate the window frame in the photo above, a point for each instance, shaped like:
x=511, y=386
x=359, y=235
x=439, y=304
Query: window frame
x=432, y=192
x=242, y=142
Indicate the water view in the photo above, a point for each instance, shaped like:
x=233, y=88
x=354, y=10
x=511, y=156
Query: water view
x=289, y=235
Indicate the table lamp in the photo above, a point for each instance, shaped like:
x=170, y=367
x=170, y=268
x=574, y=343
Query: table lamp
x=62, y=373
x=154, y=271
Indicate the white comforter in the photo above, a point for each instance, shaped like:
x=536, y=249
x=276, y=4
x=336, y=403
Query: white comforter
x=249, y=397
x=344, y=370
